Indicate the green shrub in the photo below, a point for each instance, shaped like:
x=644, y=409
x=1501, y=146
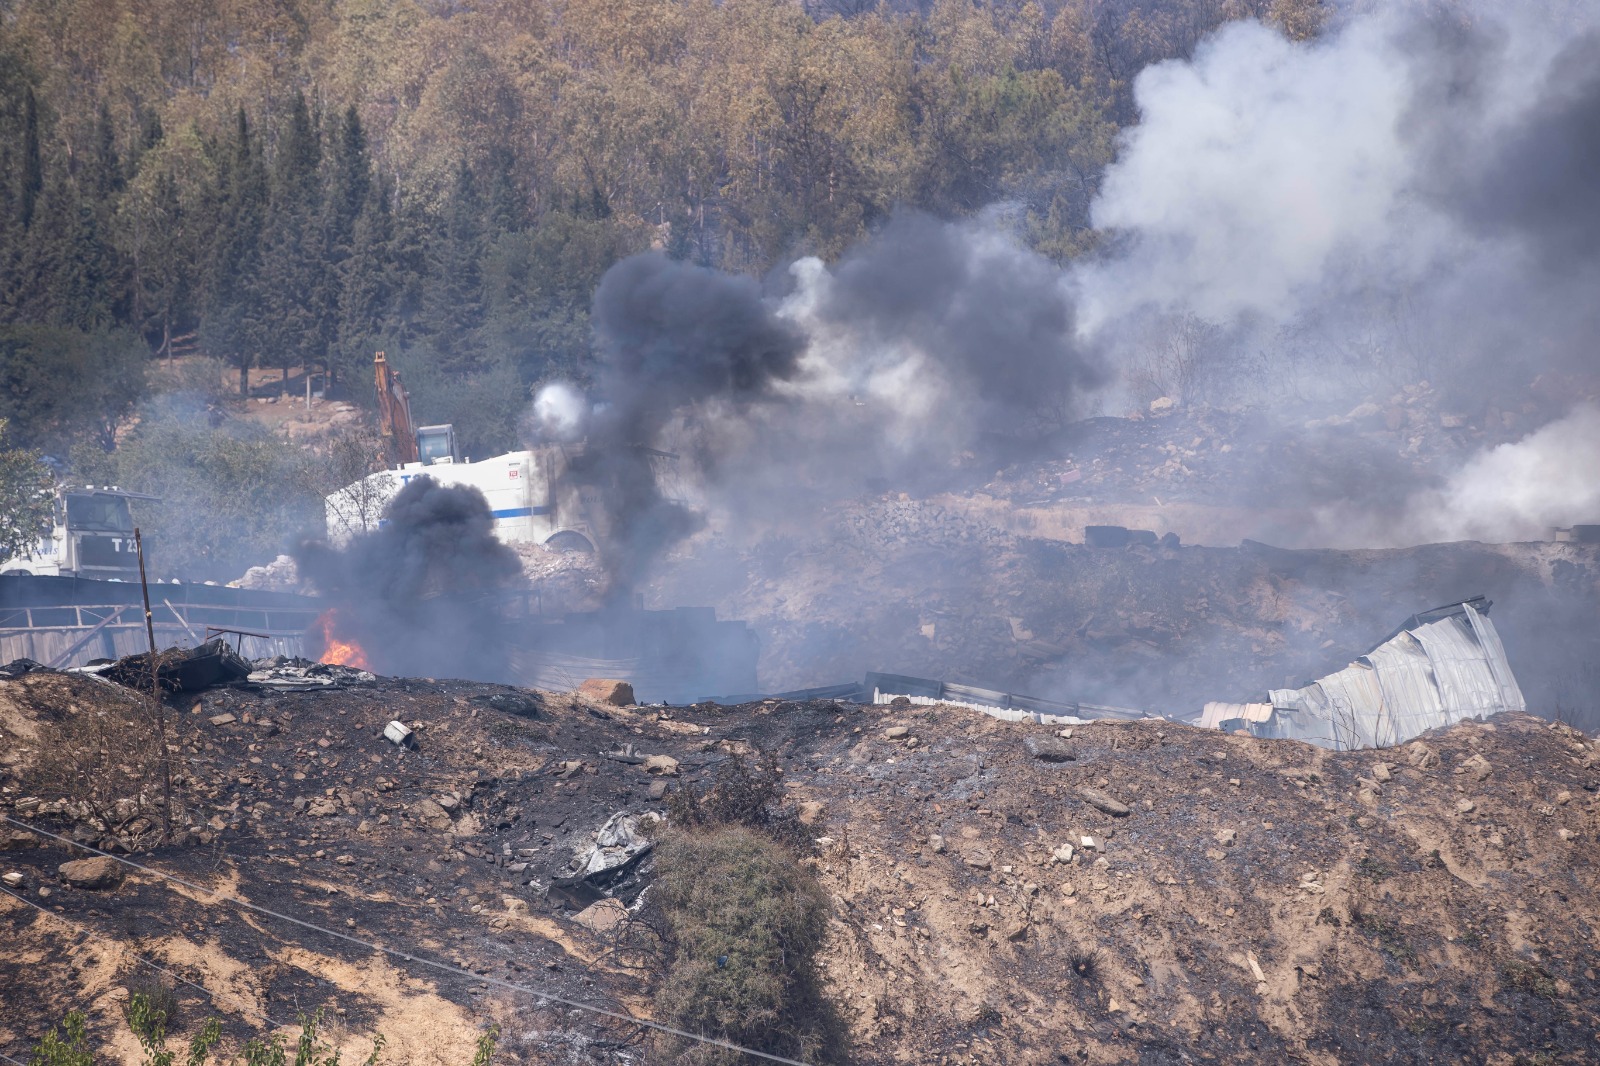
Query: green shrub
x=310, y=1049
x=72, y=1051
x=746, y=921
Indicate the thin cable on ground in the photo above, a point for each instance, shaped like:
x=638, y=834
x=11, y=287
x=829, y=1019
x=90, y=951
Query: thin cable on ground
x=9, y=1059
x=84, y=929
x=443, y=967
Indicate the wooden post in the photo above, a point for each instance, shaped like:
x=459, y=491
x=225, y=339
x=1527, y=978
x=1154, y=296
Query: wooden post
x=155, y=695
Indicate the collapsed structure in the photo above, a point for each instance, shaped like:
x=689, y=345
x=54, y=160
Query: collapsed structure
x=1439, y=667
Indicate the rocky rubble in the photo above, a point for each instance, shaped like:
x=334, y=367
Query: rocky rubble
x=1164, y=895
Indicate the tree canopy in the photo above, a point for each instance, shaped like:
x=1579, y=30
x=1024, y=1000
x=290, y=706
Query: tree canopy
x=280, y=183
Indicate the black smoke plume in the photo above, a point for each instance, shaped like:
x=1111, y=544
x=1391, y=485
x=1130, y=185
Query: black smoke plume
x=419, y=593
x=994, y=322
x=671, y=336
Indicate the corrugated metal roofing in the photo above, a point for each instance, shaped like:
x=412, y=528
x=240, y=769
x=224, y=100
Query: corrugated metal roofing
x=1444, y=665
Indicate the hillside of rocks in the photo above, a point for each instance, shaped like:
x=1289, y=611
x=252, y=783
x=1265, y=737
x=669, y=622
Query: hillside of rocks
x=1113, y=893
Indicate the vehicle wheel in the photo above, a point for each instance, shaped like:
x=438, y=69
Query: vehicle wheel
x=568, y=541
x=15, y=573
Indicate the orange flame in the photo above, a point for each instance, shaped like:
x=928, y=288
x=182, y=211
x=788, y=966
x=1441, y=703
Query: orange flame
x=337, y=651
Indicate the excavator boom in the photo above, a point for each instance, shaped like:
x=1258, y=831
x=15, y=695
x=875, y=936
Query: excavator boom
x=394, y=413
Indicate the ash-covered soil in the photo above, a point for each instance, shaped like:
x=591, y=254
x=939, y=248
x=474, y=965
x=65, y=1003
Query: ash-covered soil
x=1261, y=901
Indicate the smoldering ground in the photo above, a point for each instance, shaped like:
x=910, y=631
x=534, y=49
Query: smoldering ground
x=418, y=594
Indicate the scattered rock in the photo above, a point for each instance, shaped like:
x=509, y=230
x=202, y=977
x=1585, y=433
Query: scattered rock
x=606, y=690
x=602, y=916
x=223, y=719
x=1063, y=854
x=663, y=765
x=431, y=814
x=936, y=844
x=11, y=879
x=95, y=873
x=1017, y=931
x=1227, y=837
x=1465, y=806
x=895, y=732
x=1048, y=749
x=1476, y=768
x=1382, y=773
x=1420, y=756
x=1566, y=834
x=513, y=905
x=658, y=790
x=977, y=858
x=18, y=840
x=810, y=812
x=1095, y=798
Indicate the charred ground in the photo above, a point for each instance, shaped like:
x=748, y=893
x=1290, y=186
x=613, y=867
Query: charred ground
x=1264, y=901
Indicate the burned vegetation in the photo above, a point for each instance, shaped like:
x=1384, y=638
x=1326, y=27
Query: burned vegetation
x=823, y=881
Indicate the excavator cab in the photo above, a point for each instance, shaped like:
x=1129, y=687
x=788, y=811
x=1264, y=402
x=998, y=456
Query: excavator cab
x=437, y=444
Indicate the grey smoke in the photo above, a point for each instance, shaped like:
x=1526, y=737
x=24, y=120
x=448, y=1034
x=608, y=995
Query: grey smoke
x=1412, y=196
x=1540, y=181
x=671, y=336
x=419, y=592
x=993, y=322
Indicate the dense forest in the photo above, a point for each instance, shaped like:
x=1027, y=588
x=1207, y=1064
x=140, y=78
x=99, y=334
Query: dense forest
x=282, y=183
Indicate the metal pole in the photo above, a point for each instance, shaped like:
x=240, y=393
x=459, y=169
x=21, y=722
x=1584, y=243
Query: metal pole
x=155, y=695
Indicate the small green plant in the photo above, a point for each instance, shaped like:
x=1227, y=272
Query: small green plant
x=204, y=1042
x=74, y=1050
x=310, y=1049
x=1525, y=977
x=486, y=1045
x=1326, y=917
x=1470, y=939
x=150, y=1010
x=1374, y=868
x=147, y=1017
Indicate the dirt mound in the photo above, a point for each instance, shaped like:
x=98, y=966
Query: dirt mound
x=1262, y=901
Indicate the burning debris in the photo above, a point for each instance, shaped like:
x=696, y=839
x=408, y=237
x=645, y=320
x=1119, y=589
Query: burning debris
x=420, y=594
x=332, y=648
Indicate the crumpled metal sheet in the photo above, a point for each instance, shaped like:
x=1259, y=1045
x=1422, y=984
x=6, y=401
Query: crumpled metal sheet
x=1426, y=677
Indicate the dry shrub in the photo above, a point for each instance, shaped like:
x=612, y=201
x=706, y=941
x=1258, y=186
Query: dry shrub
x=746, y=793
x=746, y=921
x=103, y=757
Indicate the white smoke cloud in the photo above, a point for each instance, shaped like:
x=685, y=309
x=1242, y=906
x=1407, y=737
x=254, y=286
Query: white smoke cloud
x=559, y=413
x=1515, y=491
x=1256, y=168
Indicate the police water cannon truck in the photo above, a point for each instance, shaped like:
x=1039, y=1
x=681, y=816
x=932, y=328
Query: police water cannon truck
x=91, y=535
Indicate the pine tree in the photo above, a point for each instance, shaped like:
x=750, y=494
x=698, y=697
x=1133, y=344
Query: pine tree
x=31, y=180
x=366, y=295
x=292, y=281
x=454, y=304
x=233, y=318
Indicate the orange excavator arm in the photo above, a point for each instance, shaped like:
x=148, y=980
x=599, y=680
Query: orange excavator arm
x=394, y=413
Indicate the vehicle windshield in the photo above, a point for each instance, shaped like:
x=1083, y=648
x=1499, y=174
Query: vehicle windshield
x=431, y=446
x=102, y=513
